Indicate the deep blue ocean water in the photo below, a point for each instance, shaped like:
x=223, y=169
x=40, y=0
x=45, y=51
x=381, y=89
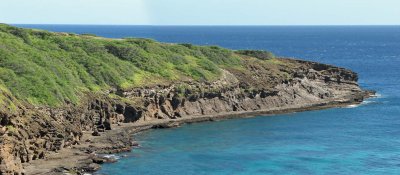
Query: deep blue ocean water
x=354, y=140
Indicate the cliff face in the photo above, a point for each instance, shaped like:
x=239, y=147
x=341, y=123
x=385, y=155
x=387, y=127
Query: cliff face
x=32, y=132
x=57, y=87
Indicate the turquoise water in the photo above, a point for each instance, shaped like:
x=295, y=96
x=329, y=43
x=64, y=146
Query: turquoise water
x=356, y=140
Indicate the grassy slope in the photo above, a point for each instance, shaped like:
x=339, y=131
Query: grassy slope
x=46, y=68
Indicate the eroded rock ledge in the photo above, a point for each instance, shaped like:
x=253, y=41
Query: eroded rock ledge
x=36, y=134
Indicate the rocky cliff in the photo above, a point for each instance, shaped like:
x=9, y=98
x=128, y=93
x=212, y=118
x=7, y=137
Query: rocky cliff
x=32, y=132
x=66, y=92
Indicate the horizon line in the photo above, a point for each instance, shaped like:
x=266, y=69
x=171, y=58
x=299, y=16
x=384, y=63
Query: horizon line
x=212, y=25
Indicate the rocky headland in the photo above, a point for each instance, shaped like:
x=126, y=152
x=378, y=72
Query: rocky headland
x=63, y=136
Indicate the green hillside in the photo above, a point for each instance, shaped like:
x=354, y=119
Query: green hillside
x=46, y=68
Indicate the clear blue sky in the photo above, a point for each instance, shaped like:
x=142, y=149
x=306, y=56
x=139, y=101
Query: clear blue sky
x=202, y=12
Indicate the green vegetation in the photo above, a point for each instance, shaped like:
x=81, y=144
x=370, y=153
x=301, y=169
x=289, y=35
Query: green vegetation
x=10, y=128
x=262, y=55
x=46, y=68
x=6, y=100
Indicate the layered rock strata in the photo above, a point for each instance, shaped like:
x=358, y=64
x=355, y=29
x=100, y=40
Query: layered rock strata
x=32, y=133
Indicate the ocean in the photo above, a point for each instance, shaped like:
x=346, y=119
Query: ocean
x=362, y=139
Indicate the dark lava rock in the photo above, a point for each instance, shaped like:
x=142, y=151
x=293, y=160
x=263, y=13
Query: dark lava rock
x=103, y=159
x=166, y=125
x=91, y=167
x=96, y=133
x=135, y=144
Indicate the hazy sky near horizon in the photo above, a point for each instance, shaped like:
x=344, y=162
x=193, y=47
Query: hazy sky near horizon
x=202, y=12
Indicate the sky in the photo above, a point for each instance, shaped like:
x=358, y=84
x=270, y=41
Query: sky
x=201, y=12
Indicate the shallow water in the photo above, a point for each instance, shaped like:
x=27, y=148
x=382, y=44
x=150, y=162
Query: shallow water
x=360, y=139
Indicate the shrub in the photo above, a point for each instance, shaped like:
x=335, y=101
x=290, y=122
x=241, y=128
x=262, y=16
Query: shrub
x=262, y=55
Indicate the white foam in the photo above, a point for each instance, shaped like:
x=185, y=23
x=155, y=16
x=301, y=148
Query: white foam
x=366, y=102
x=112, y=156
x=377, y=95
x=352, y=106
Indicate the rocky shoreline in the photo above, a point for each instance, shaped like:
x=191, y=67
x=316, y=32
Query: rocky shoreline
x=71, y=139
x=88, y=157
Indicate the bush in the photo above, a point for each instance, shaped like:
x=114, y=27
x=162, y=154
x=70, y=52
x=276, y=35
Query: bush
x=22, y=34
x=262, y=55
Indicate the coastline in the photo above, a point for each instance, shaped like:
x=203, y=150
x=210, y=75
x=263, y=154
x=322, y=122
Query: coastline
x=79, y=159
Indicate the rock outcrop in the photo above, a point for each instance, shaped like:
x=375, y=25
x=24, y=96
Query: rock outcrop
x=31, y=132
